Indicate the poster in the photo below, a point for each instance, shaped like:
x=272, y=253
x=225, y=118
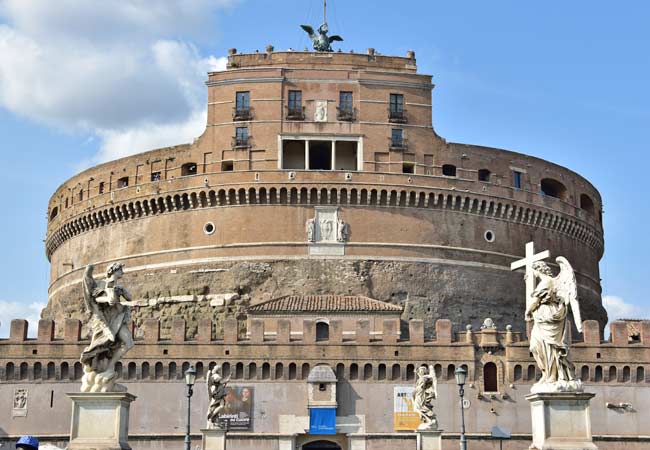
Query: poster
x=322, y=421
x=239, y=408
x=404, y=418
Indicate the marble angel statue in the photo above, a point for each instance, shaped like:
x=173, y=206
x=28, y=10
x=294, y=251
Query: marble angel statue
x=110, y=334
x=426, y=390
x=216, y=394
x=549, y=340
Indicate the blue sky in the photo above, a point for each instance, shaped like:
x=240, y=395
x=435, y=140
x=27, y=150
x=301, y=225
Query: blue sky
x=85, y=81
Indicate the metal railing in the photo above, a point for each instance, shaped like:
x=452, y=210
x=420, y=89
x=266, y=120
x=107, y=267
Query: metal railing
x=398, y=144
x=345, y=114
x=241, y=142
x=242, y=113
x=296, y=113
x=396, y=116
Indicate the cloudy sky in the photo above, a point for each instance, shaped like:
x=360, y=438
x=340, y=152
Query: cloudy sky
x=85, y=81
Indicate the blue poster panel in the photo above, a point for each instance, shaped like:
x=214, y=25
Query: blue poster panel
x=322, y=421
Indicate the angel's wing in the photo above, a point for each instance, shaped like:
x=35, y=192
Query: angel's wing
x=336, y=37
x=567, y=289
x=434, y=380
x=89, y=286
x=308, y=29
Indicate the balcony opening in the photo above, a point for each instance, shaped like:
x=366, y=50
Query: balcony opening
x=587, y=204
x=449, y=170
x=293, y=155
x=408, y=167
x=227, y=166
x=553, y=188
x=490, y=383
x=320, y=155
x=346, y=155
x=155, y=176
x=188, y=169
x=484, y=175
x=123, y=182
x=322, y=331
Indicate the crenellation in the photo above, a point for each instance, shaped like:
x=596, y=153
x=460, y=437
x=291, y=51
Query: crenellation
x=18, y=330
x=618, y=332
x=591, y=332
x=45, y=330
x=645, y=332
x=257, y=331
x=308, y=331
x=284, y=331
x=204, y=330
x=391, y=331
x=363, y=331
x=336, y=331
x=443, y=331
x=230, y=331
x=151, y=329
x=178, y=330
x=416, y=331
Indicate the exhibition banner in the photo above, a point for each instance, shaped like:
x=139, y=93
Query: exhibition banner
x=404, y=417
x=322, y=421
x=239, y=408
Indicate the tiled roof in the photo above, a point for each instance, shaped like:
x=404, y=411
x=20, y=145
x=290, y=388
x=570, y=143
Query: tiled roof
x=323, y=303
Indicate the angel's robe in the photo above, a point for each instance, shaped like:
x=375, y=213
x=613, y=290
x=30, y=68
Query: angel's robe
x=549, y=339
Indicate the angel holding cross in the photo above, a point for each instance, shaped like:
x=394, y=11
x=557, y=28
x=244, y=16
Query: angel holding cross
x=548, y=308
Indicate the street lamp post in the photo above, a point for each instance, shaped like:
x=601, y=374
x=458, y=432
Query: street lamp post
x=190, y=377
x=461, y=376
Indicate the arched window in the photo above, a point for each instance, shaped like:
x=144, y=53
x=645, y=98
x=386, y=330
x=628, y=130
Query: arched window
x=553, y=188
x=484, y=175
x=145, y=371
x=640, y=374
x=239, y=371
x=304, y=371
x=584, y=373
x=293, y=372
x=130, y=371
x=354, y=371
x=587, y=204
x=78, y=371
x=279, y=371
x=531, y=373
x=626, y=373
x=252, y=371
x=188, y=169
x=396, y=372
x=54, y=212
x=266, y=371
x=598, y=375
x=410, y=372
x=612, y=373
x=65, y=371
x=449, y=170
x=23, y=371
x=51, y=371
x=518, y=373
x=172, y=371
x=450, y=372
x=9, y=371
x=381, y=372
x=225, y=369
x=199, y=370
x=490, y=382
x=367, y=371
x=158, y=371
x=322, y=331
x=340, y=371
x=38, y=371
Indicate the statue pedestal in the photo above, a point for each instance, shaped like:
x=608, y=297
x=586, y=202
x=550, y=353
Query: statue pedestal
x=100, y=421
x=429, y=439
x=213, y=439
x=561, y=421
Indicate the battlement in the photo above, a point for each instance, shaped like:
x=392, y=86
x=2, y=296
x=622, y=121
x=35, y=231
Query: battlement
x=149, y=332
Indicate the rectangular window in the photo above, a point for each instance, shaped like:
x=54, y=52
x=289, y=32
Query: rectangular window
x=242, y=100
x=241, y=136
x=81, y=195
x=397, y=138
x=396, y=103
x=295, y=100
x=123, y=182
x=155, y=176
x=101, y=187
x=516, y=179
x=345, y=101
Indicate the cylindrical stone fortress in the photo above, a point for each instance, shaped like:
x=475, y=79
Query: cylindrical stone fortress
x=205, y=229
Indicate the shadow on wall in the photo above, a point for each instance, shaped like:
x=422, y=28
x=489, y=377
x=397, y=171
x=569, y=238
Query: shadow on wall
x=345, y=391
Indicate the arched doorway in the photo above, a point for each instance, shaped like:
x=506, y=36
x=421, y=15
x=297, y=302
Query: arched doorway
x=321, y=445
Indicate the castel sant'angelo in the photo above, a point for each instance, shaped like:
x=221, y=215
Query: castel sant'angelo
x=320, y=220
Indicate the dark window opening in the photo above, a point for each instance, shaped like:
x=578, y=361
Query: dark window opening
x=188, y=169
x=397, y=138
x=81, y=195
x=587, y=204
x=293, y=155
x=54, y=212
x=322, y=331
x=101, y=187
x=345, y=108
x=123, y=182
x=553, y=188
x=408, y=168
x=295, y=110
x=322, y=387
x=449, y=170
x=320, y=155
x=241, y=137
x=396, y=112
x=490, y=377
x=155, y=176
x=346, y=155
x=484, y=175
x=66, y=202
x=227, y=166
x=516, y=179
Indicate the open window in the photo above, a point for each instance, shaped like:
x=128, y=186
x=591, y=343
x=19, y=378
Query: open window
x=322, y=331
x=123, y=182
x=293, y=154
x=320, y=155
x=587, y=204
x=188, y=169
x=227, y=166
x=484, y=175
x=553, y=188
x=490, y=381
x=449, y=170
x=346, y=155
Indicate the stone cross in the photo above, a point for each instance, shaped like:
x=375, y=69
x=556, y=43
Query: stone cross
x=527, y=262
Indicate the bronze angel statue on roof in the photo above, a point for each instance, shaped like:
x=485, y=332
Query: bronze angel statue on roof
x=322, y=42
x=110, y=334
x=550, y=337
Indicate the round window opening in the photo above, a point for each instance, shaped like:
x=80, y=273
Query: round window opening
x=208, y=228
x=489, y=236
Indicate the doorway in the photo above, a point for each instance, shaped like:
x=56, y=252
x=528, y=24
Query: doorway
x=321, y=445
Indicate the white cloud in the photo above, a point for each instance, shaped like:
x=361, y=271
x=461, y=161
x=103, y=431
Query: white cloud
x=16, y=310
x=617, y=308
x=125, y=71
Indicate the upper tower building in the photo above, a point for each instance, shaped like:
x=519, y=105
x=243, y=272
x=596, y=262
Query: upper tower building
x=321, y=173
